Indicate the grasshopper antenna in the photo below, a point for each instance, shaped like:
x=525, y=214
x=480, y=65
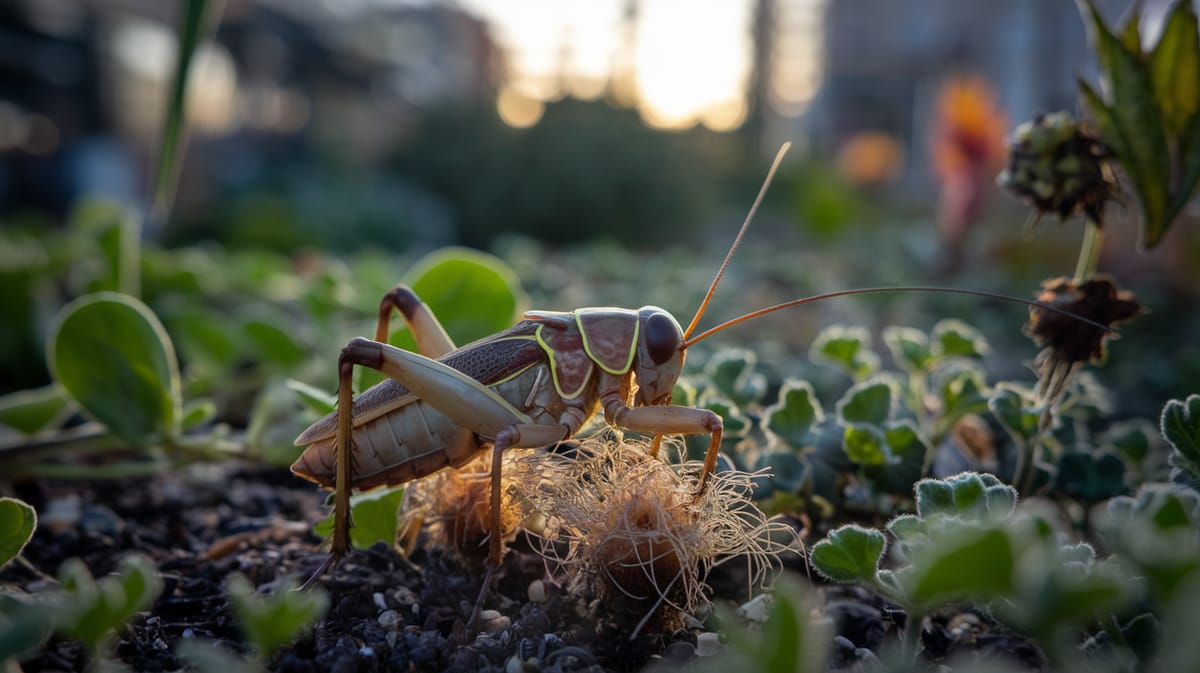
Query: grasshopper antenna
x=762, y=191
x=875, y=290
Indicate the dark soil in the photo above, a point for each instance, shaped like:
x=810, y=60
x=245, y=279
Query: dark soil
x=387, y=613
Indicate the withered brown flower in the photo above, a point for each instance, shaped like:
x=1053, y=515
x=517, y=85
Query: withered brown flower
x=1068, y=342
x=1059, y=167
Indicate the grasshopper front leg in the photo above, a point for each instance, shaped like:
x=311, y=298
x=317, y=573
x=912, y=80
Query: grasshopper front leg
x=663, y=419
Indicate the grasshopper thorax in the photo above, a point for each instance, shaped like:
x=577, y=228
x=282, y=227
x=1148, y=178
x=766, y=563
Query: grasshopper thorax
x=659, y=356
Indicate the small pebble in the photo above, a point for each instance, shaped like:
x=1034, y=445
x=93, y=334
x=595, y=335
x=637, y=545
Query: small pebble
x=756, y=609
x=188, y=633
x=514, y=665
x=537, y=591
x=389, y=619
x=366, y=652
x=492, y=621
x=379, y=601
x=708, y=643
x=680, y=652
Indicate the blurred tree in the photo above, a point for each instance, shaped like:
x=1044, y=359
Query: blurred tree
x=585, y=171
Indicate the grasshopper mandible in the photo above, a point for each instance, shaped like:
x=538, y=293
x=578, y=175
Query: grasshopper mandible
x=528, y=387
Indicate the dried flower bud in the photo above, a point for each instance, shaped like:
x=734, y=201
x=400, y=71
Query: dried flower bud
x=1057, y=166
x=1067, y=342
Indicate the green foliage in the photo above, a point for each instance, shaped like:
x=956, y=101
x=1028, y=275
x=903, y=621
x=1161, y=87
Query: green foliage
x=93, y=609
x=1181, y=428
x=789, y=641
x=731, y=371
x=847, y=348
x=375, y=515
x=112, y=355
x=28, y=411
x=796, y=416
x=849, y=554
x=969, y=495
x=17, y=523
x=1149, y=114
x=276, y=619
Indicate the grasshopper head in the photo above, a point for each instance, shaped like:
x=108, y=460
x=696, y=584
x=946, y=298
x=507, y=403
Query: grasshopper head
x=659, y=356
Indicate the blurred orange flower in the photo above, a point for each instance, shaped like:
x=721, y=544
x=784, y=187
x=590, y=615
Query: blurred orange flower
x=967, y=143
x=968, y=130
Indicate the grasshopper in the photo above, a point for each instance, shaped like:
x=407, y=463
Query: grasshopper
x=528, y=387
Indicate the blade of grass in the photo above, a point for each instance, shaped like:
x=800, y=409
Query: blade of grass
x=199, y=17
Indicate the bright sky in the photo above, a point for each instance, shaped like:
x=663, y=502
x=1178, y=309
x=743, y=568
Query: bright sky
x=692, y=61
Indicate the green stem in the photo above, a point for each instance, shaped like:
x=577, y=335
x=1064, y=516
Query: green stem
x=1089, y=252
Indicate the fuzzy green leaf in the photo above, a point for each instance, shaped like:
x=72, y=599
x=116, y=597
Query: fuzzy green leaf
x=375, y=515
x=1175, y=67
x=197, y=413
x=275, y=344
x=849, y=554
x=847, y=348
x=272, y=621
x=29, y=411
x=1017, y=413
x=970, y=563
x=869, y=402
x=963, y=392
x=955, y=338
x=1181, y=427
x=111, y=354
x=797, y=415
x=731, y=370
x=907, y=452
x=865, y=445
x=17, y=522
x=909, y=347
x=1091, y=478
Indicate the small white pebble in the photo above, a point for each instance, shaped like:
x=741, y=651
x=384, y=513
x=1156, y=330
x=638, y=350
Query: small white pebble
x=492, y=621
x=379, y=601
x=366, y=652
x=537, y=591
x=708, y=643
x=756, y=609
x=514, y=665
x=389, y=619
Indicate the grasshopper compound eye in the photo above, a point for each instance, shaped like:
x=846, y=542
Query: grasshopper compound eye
x=662, y=335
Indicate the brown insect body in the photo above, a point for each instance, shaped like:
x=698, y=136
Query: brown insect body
x=548, y=367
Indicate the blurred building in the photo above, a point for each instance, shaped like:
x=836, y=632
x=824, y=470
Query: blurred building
x=881, y=61
x=83, y=85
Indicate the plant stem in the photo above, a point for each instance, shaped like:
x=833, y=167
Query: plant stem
x=1089, y=252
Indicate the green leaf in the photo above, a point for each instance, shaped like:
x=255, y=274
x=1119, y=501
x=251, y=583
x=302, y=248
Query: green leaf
x=209, y=657
x=114, y=358
x=1133, y=439
x=314, y=398
x=869, y=402
x=1135, y=128
x=117, y=231
x=961, y=562
x=731, y=370
x=1175, y=67
x=864, y=445
x=963, y=392
x=375, y=515
x=906, y=454
x=275, y=344
x=1018, y=413
x=955, y=338
x=272, y=621
x=796, y=417
x=197, y=413
x=909, y=347
x=847, y=348
x=196, y=21
x=1091, y=478
x=29, y=411
x=1131, y=36
x=849, y=554
x=736, y=423
x=17, y=522
x=26, y=623
x=93, y=610
x=1181, y=428
x=473, y=294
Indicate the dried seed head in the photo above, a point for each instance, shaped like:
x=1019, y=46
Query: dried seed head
x=1059, y=167
x=629, y=530
x=1067, y=342
x=455, y=507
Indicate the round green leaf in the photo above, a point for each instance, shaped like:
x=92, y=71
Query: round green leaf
x=111, y=354
x=17, y=522
x=473, y=294
x=870, y=402
x=797, y=415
